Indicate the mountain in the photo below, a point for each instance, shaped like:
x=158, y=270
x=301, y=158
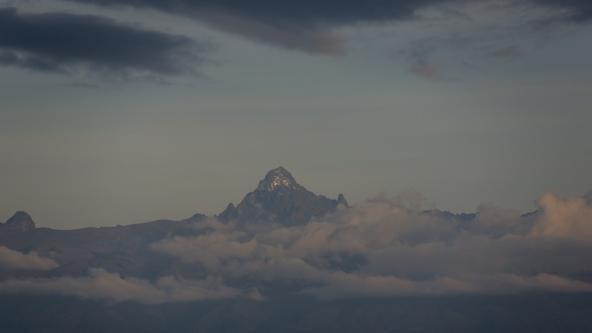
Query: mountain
x=127, y=249
x=280, y=199
x=122, y=249
x=588, y=197
x=19, y=222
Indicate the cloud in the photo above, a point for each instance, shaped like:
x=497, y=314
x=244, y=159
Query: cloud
x=287, y=11
x=475, y=35
x=320, y=12
x=308, y=26
x=104, y=285
x=565, y=218
x=576, y=10
x=506, y=52
x=384, y=248
x=300, y=37
x=11, y=260
x=420, y=64
x=311, y=25
x=73, y=44
x=318, y=27
x=377, y=248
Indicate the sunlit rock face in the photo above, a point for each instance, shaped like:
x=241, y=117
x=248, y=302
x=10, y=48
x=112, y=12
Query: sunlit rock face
x=279, y=179
x=280, y=199
x=19, y=222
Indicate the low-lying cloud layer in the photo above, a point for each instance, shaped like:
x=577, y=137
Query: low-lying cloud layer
x=383, y=248
x=68, y=43
x=11, y=260
x=378, y=248
x=112, y=287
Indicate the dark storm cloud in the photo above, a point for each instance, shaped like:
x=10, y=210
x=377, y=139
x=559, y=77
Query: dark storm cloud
x=307, y=25
x=282, y=12
x=69, y=43
x=319, y=11
x=300, y=25
x=580, y=10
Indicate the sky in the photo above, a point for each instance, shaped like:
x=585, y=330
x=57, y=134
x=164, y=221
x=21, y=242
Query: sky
x=119, y=112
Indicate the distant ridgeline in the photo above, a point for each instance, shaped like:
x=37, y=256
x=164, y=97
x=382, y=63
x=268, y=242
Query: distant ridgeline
x=255, y=266
x=277, y=199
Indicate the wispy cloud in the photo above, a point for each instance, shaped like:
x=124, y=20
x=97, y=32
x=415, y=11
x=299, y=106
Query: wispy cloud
x=104, y=285
x=443, y=41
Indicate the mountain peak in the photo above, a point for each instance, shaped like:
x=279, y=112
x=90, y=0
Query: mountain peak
x=278, y=179
x=588, y=197
x=21, y=221
x=280, y=199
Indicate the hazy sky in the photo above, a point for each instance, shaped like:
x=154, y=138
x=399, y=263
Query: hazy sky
x=116, y=115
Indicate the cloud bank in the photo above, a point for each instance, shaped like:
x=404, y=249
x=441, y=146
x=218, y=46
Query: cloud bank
x=11, y=260
x=310, y=25
x=384, y=248
x=68, y=43
x=104, y=285
x=566, y=218
x=378, y=248
x=322, y=12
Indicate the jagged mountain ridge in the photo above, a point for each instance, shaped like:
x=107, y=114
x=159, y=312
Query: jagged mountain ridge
x=278, y=198
x=127, y=250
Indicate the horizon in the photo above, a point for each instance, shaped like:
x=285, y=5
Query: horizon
x=418, y=199
x=75, y=222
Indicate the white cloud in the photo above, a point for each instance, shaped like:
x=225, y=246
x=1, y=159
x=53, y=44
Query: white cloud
x=17, y=261
x=377, y=248
x=101, y=284
x=564, y=217
x=387, y=247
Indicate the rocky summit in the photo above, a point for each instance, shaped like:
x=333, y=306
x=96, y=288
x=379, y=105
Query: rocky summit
x=279, y=198
x=19, y=222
